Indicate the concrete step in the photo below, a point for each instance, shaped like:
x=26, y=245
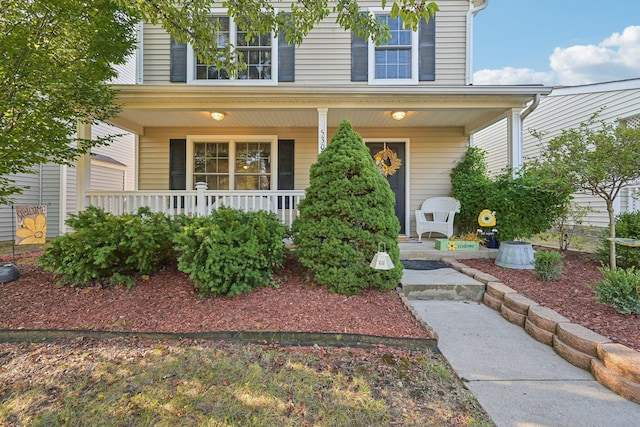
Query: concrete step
x=441, y=284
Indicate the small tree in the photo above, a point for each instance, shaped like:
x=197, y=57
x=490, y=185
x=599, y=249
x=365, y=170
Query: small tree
x=596, y=158
x=348, y=210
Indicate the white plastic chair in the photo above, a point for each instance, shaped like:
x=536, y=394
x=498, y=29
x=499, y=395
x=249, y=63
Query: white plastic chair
x=436, y=215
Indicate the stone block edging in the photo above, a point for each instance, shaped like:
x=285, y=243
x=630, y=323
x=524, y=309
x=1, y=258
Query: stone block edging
x=613, y=365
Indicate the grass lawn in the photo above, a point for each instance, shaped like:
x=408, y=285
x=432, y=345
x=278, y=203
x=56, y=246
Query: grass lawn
x=125, y=381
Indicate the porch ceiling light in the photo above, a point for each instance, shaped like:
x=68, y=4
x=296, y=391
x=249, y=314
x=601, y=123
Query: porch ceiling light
x=217, y=116
x=398, y=115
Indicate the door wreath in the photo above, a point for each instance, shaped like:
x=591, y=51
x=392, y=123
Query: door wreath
x=387, y=162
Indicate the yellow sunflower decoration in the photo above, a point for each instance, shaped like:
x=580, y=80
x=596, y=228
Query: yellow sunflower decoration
x=387, y=162
x=33, y=231
x=452, y=246
x=487, y=218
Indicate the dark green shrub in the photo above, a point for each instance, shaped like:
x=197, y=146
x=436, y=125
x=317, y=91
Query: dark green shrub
x=627, y=226
x=110, y=246
x=471, y=185
x=347, y=211
x=620, y=289
x=231, y=251
x=525, y=205
x=548, y=264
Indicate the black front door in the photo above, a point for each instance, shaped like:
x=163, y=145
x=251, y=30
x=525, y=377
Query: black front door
x=397, y=180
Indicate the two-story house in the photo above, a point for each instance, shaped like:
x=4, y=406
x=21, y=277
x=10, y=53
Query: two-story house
x=253, y=138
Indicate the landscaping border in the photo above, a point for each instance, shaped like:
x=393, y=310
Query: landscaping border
x=239, y=337
x=613, y=365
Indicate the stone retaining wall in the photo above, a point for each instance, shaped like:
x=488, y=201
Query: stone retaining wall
x=613, y=365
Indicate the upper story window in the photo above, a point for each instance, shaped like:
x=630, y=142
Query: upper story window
x=407, y=58
x=256, y=53
x=268, y=59
x=398, y=58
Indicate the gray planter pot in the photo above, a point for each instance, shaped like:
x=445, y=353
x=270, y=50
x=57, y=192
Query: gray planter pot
x=516, y=255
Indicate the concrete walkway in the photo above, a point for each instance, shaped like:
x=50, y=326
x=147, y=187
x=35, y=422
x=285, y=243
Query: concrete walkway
x=519, y=381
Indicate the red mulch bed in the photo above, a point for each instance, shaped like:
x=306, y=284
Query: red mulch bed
x=570, y=296
x=168, y=302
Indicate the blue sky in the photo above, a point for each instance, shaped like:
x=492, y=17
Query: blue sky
x=557, y=42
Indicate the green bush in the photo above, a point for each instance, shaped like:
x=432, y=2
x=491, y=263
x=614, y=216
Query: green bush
x=110, y=246
x=347, y=211
x=627, y=226
x=620, y=289
x=548, y=264
x=471, y=185
x=231, y=251
x=525, y=205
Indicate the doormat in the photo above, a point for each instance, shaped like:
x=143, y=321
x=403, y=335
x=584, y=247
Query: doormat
x=406, y=239
x=421, y=264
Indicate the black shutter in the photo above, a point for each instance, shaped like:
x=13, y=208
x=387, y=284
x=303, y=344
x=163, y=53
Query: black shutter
x=359, y=58
x=427, y=50
x=286, y=59
x=178, y=72
x=286, y=163
x=177, y=164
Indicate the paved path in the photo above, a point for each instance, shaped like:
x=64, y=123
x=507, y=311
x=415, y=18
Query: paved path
x=519, y=381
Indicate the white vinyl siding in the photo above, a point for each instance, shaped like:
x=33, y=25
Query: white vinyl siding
x=325, y=55
x=566, y=108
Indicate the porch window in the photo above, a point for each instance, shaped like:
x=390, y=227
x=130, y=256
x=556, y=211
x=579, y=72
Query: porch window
x=232, y=164
x=257, y=53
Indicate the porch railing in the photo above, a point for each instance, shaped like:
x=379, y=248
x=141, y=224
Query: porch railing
x=198, y=202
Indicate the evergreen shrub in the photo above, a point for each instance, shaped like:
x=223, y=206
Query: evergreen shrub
x=231, y=251
x=347, y=212
x=110, y=246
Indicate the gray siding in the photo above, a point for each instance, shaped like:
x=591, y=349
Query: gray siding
x=325, y=55
x=566, y=108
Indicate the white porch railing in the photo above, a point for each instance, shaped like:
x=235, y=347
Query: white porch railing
x=198, y=202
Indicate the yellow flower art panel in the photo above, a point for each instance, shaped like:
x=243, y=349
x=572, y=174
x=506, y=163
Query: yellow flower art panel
x=32, y=225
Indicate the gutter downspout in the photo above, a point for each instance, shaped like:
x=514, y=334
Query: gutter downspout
x=517, y=150
x=471, y=13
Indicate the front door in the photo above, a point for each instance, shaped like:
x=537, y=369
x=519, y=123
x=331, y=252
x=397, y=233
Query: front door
x=397, y=180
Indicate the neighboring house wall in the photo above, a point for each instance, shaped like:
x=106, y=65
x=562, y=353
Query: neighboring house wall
x=324, y=57
x=566, y=108
x=54, y=185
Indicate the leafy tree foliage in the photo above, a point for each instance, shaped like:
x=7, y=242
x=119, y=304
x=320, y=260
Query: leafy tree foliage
x=598, y=158
x=190, y=23
x=347, y=211
x=55, y=59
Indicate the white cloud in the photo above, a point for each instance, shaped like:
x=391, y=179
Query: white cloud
x=615, y=58
x=513, y=76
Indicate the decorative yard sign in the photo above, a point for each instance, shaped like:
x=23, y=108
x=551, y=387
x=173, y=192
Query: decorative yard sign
x=456, y=245
x=32, y=225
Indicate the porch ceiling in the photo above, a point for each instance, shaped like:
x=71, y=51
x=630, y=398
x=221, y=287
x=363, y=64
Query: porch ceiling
x=468, y=107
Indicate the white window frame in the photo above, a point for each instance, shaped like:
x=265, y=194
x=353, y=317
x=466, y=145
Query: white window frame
x=413, y=80
x=233, y=140
x=191, y=60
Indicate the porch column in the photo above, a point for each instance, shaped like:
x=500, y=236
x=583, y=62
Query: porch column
x=83, y=169
x=514, y=141
x=322, y=129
